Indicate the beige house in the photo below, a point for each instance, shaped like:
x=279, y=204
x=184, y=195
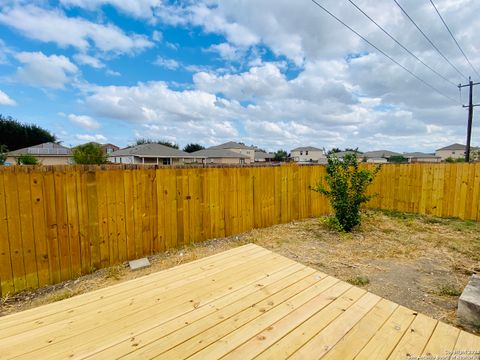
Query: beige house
x=220, y=156
x=150, y=154
x=418, y=157
x=308, y=154
x=47, y=153
x=261, y=156
x=238, y=148
x=378, y=156
x=453, y=151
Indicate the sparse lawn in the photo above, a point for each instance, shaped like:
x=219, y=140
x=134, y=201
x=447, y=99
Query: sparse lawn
x=417, y=261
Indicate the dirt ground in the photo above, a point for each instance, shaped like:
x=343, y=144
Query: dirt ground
x=417, y=261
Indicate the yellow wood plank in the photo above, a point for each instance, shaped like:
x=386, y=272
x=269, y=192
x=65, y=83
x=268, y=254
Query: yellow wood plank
x=387, y=337
x=415, y=338
x=353, y=342
x=26, y=228
x=467, y=341
x=212, y=342
x=14, y=230
x=178, y=275
x=72, y=222
x=442, y=340
x=113, y=323
x=261, y=341
x=326, y=339
x=295, y=339
x=6, y=274
x=227, y=305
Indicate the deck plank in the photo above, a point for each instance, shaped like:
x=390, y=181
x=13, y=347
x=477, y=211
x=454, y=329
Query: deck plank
x=244, y=303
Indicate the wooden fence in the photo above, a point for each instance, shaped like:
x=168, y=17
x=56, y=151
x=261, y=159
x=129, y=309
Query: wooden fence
x=57, y=223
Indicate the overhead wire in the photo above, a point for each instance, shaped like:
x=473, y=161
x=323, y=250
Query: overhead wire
x=400, y=44
x=428, y=39
x=453, y=37
x=382, y=52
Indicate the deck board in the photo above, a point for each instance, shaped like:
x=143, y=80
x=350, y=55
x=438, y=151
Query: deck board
x=240, y=304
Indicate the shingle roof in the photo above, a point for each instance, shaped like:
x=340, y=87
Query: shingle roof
x=455, y=146
x=231, y=145
x=152, y=150
x=306, y=148
x=380, y=154
x=263, y=155
x=217, y=153
x=45, y=149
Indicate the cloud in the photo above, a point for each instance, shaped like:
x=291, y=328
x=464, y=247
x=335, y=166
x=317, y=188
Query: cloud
x=54, y=26
x=38, y=69
x=84, y=121
x=84, y=59
x=157, y=36
x=134, y=8
x=6, y=100
x=227, y=51
x=91, y=138
x=170, y=64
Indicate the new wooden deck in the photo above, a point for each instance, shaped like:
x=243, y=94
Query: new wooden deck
x=244, y=303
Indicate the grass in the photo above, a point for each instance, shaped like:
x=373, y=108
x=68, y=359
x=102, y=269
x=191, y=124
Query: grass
x=359, y=280
x=449, y=290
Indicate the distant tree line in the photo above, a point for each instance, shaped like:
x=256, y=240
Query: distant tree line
x=15, y=135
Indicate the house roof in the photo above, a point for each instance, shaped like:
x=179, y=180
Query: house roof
x=455, y=146
x=151, y=150
x=217, y=153
x=380, y=154
x=231, y=145
x=45, y=149
x=263, y=155
x=343, y=153
x=419, y=155
x=306, y=148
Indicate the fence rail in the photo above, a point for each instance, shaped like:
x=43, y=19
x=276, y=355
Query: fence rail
x=57, y=223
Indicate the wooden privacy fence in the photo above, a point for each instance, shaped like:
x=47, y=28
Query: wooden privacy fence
x=57, y=223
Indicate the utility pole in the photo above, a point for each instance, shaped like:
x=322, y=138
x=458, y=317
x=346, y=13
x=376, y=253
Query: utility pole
x=470, y=115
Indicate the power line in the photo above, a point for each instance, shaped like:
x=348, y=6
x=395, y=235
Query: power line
x=382, y=52
x=453, y=37
x=401, y=45
x=428, y=39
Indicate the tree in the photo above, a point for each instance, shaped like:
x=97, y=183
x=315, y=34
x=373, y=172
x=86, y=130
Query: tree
x=347, y=185
x=190, y=148
x=15, y=135
x=89, y=154
x=143, y=141
x=397, y=159
x=3, y=154
x=333, y=151
x=280, y=155
x=27, y=159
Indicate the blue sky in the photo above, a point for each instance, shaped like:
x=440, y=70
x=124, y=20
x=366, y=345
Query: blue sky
x=276, y=74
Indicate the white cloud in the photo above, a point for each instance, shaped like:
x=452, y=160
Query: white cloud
x=38, y=69
x=135, y=8
x=84, y=121
x=227, y=51
x=6, y=100
x=84, y=59
x=157, y=36
x=91, y=138
x=54, y=26
x=170, y=64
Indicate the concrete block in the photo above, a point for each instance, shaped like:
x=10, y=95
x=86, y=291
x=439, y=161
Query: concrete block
x=139, y=264
x=468, y=312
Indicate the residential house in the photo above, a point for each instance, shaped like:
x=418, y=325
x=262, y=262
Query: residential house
x=220, y=156
x=47, y=153
x=419, y=157
x=308, y=154
x=453, y=151
x=261, y=156
x=378, y=156
x=242, y=149
x=150, y=154
x=341, y=154
x=109, y=148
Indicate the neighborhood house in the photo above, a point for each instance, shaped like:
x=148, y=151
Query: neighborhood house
x=150, y=154
x=308, y=154
x=47, y=153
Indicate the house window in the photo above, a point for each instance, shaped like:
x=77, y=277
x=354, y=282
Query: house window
x=109, y=150
x=306, y=152
x=301, y=152
x=453, y=152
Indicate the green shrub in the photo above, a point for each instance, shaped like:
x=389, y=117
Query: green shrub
x=347, y=185
x=27, y=159
x=89, y=154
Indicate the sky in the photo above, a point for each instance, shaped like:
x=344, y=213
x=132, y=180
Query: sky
x=272, y=73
